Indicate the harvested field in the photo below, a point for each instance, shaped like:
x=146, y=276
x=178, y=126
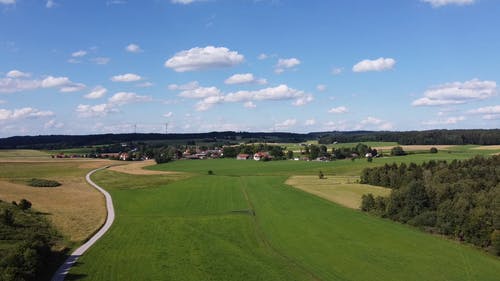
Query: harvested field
x=75, y=208
x=137, y=168
x=488, y=147
x=339, y=189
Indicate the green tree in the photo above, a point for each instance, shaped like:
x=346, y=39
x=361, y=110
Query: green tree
x=24, y=204
x=367, y=202
x=289, y=154
x=433, y=150
x=397, y=151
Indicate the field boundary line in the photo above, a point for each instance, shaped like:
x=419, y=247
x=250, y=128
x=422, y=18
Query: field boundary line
x=64, y=269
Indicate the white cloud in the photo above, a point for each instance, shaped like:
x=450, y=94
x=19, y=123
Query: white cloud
x=99, y=110
x=281, y=92
x=285, y=64
x=321, y=88
x=208, y=102
x=53, y=124
x=146, y=84
x=22, y=113
x=310, y=122
x=491, y=116
x=457, y=93
x=6, y=2
x=495, y=109
x=286, y=124
x=73, y=60
x=9, y=85
x=128, y=77
x=79, y=54
x=17, y=74
x=339, y=110
x=379, y=64
x=262, y=56
x=203, y=58
x=52, y=81
x=100, y=60
x=245, y=78
x=96, y=93
x=133, y=48
x=337, y=125
x=50, y=4
x=188, y=86
x=373, y=121
x=447, y=121
x=75, y=87
x=168, y=114
x=122, y=98
x=200, y=93
x=249, y=104
x=440, y=3
x=184, y=2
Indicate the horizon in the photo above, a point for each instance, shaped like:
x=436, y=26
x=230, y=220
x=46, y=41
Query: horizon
x=264, y=66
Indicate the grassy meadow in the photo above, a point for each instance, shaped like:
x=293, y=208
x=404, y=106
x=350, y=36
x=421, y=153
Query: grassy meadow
x=245, y=223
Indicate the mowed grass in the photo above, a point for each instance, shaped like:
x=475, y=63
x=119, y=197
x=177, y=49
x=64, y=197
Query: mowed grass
x=6, y=153
x=245, y=223
x=339, y=189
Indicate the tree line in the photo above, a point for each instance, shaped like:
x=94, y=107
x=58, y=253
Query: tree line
x=430, y=137
x=460, y=199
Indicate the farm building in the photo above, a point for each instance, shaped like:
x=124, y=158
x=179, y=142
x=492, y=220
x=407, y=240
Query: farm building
x=242, y=156
x=260, y=155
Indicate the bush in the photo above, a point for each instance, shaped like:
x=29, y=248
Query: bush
x=43, y=183
x=24, y=204
x=321, y=175
x=7, y=217
x=367, y=202
x=210, y=172
x=495, y=242
x=434, y=150
x=397, y=151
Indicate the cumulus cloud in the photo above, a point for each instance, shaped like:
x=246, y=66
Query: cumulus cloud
x=203, y=58
x=285, y=124
x=281, y=92
x=249, y=104
x=122, y=98
x=457, y=93
x=262, y=56
x=321, y=88
x=184, y=2
x=17, y=74
x=52, y=81
x=488, y=112
x=440, y=3
x=447, y=121
x=96, y=93
x=285, y=64
x=128, y=77
x=23, y=113
x=146, y=84
x=133, y=48
x=53, y=124
x=374, y=122
x=74, y=87
x=79, y=54
x=379, y=64
x=168, y=114
x=99, y=110
x=245, y=78
x=339, y=110
x=200, y=93
x=188, y=86
x=7, y=2
x=310, y=122
x=100, y=60
x=50, y=4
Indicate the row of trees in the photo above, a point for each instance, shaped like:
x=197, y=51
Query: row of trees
x=27, y=255
x=360, y=150
x=460, y=199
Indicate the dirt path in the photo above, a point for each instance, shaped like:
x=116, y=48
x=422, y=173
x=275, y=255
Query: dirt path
x=68, y=263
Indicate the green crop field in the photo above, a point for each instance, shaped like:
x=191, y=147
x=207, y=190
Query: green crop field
x=245, y=223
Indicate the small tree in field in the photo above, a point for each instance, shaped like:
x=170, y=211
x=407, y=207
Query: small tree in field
x=24, y=204
x=434, y=150
x=210, y=172
x=321, y=175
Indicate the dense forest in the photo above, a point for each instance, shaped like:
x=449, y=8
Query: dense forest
x=481, y=137
x=26, y=240
x=460, y=199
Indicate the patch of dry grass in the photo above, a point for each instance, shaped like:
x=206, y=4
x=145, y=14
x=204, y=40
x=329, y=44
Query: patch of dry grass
x=416, y=147
x=488, y=147
x=137, y=168
x=342, y=190
x=75, y=208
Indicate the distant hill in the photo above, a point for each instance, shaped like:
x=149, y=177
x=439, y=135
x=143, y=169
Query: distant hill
x=472, y=136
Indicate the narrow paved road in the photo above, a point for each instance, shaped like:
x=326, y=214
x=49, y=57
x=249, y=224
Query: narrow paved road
x=68, y=263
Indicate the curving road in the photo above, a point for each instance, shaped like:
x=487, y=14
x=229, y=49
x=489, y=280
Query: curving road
x=68, y=263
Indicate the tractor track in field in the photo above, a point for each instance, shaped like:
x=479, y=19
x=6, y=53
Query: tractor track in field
x=64, y=269
x=264, y=239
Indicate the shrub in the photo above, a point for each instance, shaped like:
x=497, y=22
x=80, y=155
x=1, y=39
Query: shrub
x=210, y=172
x=434, y=150
x=24, y=204
x=43, y=183
x=321, y=175
x=7, y=217
x=397, y=151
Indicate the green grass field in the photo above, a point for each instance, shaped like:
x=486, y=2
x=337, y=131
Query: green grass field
x=245, y=223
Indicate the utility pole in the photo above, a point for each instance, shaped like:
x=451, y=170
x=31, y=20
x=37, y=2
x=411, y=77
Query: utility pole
x=135, y=128
x=166, y=128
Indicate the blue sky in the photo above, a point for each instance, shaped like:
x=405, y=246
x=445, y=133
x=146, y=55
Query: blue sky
x=79, y=67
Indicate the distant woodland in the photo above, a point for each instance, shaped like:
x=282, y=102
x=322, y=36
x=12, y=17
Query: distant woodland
x=450, y=137
x=460, y=199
